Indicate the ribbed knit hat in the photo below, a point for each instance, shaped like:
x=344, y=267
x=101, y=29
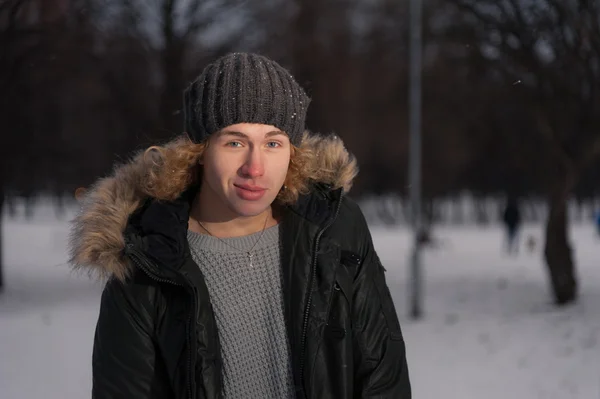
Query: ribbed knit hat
x=244, y=88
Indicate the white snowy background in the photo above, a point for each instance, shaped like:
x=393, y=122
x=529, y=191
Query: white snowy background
x=489, y=330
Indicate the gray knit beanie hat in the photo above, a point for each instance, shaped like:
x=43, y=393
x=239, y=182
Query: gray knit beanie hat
x=244, y=88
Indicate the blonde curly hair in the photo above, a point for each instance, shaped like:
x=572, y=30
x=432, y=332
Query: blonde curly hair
x=174, y=167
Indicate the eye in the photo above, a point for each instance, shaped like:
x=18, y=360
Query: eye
x=234, y=144
x=273, y=144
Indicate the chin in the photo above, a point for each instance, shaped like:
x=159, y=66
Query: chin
x=248, y=209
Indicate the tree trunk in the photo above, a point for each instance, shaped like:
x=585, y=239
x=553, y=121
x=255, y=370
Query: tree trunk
x=59, y=205
x=480, y=210
x=458, y=216
x=558, y=254
x=389, y=210
x=171, y=121
x=1, y=220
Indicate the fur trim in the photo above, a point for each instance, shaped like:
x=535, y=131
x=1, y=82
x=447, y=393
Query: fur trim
x=334, y=164
x=96, y=241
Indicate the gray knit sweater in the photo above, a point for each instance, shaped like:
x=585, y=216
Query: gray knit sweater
x=248, y=306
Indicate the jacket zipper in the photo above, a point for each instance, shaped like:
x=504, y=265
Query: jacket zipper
x=145, y=265
x=312, y=282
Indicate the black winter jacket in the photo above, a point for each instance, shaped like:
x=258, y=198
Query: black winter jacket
x=156, y=335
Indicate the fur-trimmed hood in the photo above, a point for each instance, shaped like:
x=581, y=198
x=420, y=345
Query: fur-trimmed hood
x=97, y=239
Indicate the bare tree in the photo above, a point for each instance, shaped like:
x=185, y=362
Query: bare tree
x=19, y=43
x=550, y=49
x=173, y=31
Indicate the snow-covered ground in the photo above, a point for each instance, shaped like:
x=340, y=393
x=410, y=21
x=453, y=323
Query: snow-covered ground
x=489, y=331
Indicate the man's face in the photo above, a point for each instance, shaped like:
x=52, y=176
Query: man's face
x=245, y=166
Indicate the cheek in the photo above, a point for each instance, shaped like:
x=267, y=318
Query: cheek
x=282, y=170
x=218, y=172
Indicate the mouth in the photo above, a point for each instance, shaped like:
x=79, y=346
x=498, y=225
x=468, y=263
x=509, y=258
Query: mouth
x=250, y=193
x=254, y=189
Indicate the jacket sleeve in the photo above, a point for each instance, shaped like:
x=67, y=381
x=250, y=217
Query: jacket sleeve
x=123, y=364
x=380, y=357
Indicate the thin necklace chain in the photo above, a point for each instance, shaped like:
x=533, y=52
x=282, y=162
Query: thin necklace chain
x=249, y=252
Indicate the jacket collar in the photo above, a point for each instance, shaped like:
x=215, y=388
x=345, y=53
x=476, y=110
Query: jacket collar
x=115, y=211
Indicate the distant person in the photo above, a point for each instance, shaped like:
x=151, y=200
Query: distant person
x=238, y=267
x=512, y=222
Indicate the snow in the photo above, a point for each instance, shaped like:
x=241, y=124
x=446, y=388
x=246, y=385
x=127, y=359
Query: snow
x=489, y=329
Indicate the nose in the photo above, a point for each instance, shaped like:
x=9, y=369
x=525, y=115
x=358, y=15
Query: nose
x=254, y=165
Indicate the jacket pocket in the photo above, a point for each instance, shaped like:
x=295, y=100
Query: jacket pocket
x=345, y=274
x=340, y=303
x=338, y=314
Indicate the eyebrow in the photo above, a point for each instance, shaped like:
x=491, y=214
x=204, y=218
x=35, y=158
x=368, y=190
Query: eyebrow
x=243, y=135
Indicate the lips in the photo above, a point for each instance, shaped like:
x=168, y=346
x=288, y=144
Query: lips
x=248, y=192
x=250, y=188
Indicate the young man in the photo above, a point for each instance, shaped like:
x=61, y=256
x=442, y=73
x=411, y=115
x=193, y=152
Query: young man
x=236, y=266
